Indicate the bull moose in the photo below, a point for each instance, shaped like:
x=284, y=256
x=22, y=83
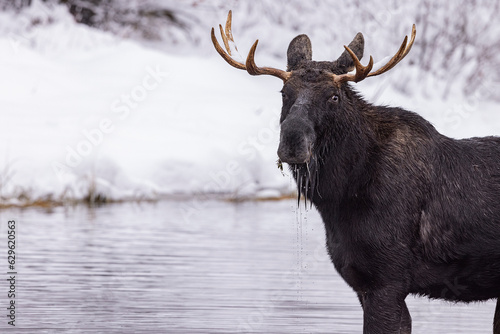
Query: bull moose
x=406, y=209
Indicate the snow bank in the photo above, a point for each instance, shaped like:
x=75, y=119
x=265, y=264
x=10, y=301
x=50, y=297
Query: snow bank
x=87, y=115
x=108, y=118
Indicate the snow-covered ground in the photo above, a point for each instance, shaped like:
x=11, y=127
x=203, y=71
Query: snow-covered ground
x=85, y=113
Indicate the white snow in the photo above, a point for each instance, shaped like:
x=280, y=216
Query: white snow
x=85, y=113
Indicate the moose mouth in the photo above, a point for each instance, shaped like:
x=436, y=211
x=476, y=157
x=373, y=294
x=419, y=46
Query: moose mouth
x=302, y=159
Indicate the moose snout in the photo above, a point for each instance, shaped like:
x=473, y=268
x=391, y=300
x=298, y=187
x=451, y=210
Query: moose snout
x=296, y=143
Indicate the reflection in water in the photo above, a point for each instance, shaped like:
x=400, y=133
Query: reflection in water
x=194, y=267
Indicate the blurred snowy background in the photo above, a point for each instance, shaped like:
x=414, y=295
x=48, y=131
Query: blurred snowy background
x=127, y=100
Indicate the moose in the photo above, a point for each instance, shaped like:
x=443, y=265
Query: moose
x=406, y=209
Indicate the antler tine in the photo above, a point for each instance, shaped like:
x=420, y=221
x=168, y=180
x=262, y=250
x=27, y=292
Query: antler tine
x=412, y=39
x=227, y=34
x=361, y=71
x=249, y=66
x=253, y=69
x=226, y=55
x=224, y=39
x=229, y=30
x=402, y=52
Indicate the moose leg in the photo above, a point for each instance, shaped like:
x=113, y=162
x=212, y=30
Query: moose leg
x=405, y=327
x=384, y=311
x=496, y=321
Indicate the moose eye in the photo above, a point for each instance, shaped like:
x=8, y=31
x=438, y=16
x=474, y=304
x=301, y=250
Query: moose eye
x=335, y=98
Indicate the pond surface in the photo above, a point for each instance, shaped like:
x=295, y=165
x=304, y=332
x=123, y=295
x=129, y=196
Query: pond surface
x=190, y=267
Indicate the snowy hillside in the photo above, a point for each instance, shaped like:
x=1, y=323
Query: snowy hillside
x=88, y=115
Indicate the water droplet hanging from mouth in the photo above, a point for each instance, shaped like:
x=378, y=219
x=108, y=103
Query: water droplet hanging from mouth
x=306, y=177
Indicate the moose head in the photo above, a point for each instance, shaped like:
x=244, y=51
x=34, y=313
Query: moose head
x=318, y=103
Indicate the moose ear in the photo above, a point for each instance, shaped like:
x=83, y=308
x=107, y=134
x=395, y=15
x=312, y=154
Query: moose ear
x=357, y=46
x=299, y=50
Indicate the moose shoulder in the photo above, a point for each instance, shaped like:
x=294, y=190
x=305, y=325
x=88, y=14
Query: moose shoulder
x=406, y=209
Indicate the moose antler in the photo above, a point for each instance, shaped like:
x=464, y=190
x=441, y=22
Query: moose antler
x=249, y=66
x=363, y=72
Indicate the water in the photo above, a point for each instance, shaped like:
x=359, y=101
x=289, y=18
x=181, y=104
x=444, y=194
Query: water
x=190, y=267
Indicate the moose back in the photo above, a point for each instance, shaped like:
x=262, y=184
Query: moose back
x=406, y=209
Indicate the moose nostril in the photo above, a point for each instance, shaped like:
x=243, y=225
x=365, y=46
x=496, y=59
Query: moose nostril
x=294, y=147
